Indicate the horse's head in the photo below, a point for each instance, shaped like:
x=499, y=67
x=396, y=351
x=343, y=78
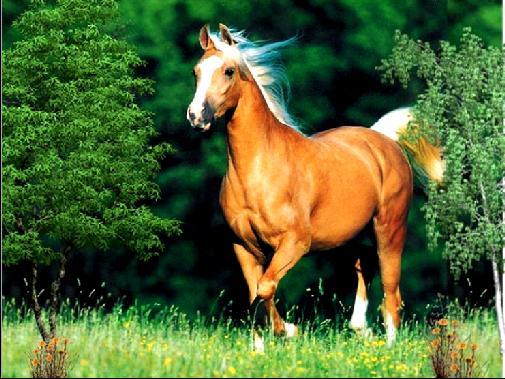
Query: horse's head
x=217, y=76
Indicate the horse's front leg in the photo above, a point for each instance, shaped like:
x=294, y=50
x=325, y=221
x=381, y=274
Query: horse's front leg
x=289, y=252
x=252, y=269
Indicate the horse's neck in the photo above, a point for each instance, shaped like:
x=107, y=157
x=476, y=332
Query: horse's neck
x=250, y=129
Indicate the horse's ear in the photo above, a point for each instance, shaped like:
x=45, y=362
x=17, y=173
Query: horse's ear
x=205, y=40
x=226, y=35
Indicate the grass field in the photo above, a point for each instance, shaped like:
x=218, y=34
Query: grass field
x=152, y=341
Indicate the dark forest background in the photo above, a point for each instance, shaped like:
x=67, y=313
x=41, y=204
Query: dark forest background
x=333, y=82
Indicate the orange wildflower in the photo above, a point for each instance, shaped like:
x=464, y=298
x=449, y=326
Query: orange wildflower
x=435, y=343
x=473, y=346
x=455, y=355
x=49, y=357
x=35, y=362
x=454, y=367
x=435, y=331
x=443, y=322
x=462, y=346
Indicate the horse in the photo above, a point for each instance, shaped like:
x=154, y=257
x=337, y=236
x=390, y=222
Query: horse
x=286, y=194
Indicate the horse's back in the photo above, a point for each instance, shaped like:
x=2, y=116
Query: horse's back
x=363, y=171
x=369, y=144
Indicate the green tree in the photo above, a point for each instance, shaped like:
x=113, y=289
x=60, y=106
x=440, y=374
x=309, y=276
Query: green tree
x=463, y=107
x=78, y=168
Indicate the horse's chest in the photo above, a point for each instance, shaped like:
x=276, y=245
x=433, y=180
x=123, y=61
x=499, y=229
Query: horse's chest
x=257, y=219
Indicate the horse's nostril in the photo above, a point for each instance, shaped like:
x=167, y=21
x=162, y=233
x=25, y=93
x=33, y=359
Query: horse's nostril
x=192, y=116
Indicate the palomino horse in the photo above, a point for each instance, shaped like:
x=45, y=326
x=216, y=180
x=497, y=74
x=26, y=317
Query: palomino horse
x=285, y=194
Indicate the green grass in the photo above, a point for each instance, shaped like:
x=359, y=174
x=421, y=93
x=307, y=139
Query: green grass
x=152, y=341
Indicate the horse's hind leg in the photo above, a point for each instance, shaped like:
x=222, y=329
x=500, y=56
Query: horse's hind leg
x=390, y=240
x=358, y=318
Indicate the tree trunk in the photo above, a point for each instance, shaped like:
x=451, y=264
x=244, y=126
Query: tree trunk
x=55, y=297
x=55, y=292
x=36, y=306
x=500, y=304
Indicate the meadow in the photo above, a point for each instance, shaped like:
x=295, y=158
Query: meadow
x=156, y=341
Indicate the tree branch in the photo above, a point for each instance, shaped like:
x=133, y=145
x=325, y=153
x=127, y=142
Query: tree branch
x=36, y=306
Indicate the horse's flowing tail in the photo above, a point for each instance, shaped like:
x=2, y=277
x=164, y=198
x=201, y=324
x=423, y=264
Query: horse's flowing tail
x=427, y=158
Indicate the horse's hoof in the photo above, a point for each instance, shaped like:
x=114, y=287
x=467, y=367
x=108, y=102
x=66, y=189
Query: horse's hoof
x=291, y=330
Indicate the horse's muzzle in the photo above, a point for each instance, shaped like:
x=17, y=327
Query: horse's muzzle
x=201, y=121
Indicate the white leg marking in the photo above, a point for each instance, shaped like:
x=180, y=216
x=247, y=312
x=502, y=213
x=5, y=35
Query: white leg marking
x=259, y=344
x=358, y=319
x=390, y=329
x=291, y=329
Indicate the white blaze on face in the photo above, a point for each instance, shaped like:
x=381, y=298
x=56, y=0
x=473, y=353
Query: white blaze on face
x=207, y=69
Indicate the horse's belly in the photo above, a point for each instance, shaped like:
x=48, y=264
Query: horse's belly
x=337, y=224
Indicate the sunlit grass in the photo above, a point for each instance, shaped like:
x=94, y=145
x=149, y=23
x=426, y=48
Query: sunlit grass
x=161, y=342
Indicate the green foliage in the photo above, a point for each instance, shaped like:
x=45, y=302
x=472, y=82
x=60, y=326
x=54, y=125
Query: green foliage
x=78, y=167
x=462, y=108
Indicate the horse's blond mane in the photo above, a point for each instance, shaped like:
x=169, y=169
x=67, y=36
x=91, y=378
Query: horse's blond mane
x=264, y=63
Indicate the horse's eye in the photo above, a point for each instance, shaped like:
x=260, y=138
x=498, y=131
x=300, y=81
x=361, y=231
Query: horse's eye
x=229, y=72
x=194, y=72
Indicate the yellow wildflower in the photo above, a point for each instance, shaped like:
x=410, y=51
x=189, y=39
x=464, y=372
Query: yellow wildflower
x=232, y=370
x=167, y=361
